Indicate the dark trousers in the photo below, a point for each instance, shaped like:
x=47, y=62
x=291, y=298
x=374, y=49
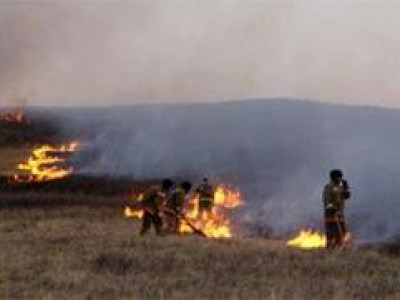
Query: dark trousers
x=335, y=228
x=205, y=206
x=151, y=219
x=173, y=220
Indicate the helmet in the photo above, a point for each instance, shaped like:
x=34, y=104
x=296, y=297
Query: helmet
x=336, y=174
x=186, y=185
x=167, y=184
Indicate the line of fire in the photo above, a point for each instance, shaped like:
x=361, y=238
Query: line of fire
x=16, y=117
x=52, y=164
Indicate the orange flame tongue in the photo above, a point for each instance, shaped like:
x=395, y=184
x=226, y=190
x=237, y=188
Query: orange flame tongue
x=308, y=239
x=132, y=213
x=215, y=224
x=42, y=165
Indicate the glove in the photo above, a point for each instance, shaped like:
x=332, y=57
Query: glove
x=345, y=184
x=329, y=206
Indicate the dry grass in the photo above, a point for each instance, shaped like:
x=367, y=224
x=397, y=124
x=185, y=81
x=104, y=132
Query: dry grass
x=10, y=157
x=82, y=252
x=55, y=245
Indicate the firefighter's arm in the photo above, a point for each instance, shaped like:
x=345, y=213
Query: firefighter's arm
x=327, y=198
x=161, y=201
x=346, y=190
x=347, y=194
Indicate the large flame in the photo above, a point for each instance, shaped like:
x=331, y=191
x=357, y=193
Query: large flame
x=44, y=164
x=311, y=239
x=308, y=239
x=215, y=224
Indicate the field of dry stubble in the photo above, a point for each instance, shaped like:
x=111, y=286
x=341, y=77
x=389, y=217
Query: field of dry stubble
x=84, y=251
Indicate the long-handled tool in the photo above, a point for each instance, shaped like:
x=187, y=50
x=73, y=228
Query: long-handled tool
x=195, y=230
x=340, y=229
x=181, y=216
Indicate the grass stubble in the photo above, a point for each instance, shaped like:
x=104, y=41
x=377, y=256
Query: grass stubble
x=56, y=244
x=93, y=252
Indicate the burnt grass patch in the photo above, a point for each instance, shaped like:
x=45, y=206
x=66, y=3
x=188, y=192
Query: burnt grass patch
x=86, y=190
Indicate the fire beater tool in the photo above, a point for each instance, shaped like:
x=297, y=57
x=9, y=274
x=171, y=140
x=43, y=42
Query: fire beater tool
x=182, y=217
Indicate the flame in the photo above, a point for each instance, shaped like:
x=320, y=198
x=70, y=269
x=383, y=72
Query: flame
x=42, y=164
x=132, y=213
x=16, y=116
x=308, y=239
x=226, y=197
x=215, y=224
x=311, y=239
x=135, y=213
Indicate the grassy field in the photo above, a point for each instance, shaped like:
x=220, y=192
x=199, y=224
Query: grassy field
x=82, y=247
x=10, y=157
x=93, y=252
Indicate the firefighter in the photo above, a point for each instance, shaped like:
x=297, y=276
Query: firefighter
x=153, y=204
x=206, y=197
x=175, y=204
x=335, y=194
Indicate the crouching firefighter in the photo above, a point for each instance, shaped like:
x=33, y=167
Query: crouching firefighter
x=175, y=204
x=206, y=197
x=153, y=203
x=335, y=194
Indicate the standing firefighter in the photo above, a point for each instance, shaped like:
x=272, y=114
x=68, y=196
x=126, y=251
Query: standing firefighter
x=206, y=197
x=153, y=203
x=175, y=204
x=335, y=194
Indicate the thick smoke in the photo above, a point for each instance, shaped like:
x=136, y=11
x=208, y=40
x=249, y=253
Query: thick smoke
x=102, y=52
x=278, y=153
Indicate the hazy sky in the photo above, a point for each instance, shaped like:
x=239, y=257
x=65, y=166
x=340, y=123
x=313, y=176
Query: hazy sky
x=119, y=52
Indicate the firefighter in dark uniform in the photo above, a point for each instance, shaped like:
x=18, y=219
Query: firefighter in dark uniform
x=206, y=197
x=335, y=194
x=153, y=203
x=175, y=204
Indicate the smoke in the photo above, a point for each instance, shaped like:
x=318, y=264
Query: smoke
x=278, y=153
x=129, y=52
x=101, y=52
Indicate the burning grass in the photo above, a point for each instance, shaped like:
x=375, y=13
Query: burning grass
x=66, y=239
x=308, y=239
x=89, y=252
x=18, y=129
x=15, y=116
x=215, y=224
x=47, y=163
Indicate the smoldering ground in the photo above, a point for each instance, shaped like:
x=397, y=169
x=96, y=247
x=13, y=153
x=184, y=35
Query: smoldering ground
x=278, y=153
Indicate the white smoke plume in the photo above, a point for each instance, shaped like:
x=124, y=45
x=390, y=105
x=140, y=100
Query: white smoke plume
x=279, y=153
